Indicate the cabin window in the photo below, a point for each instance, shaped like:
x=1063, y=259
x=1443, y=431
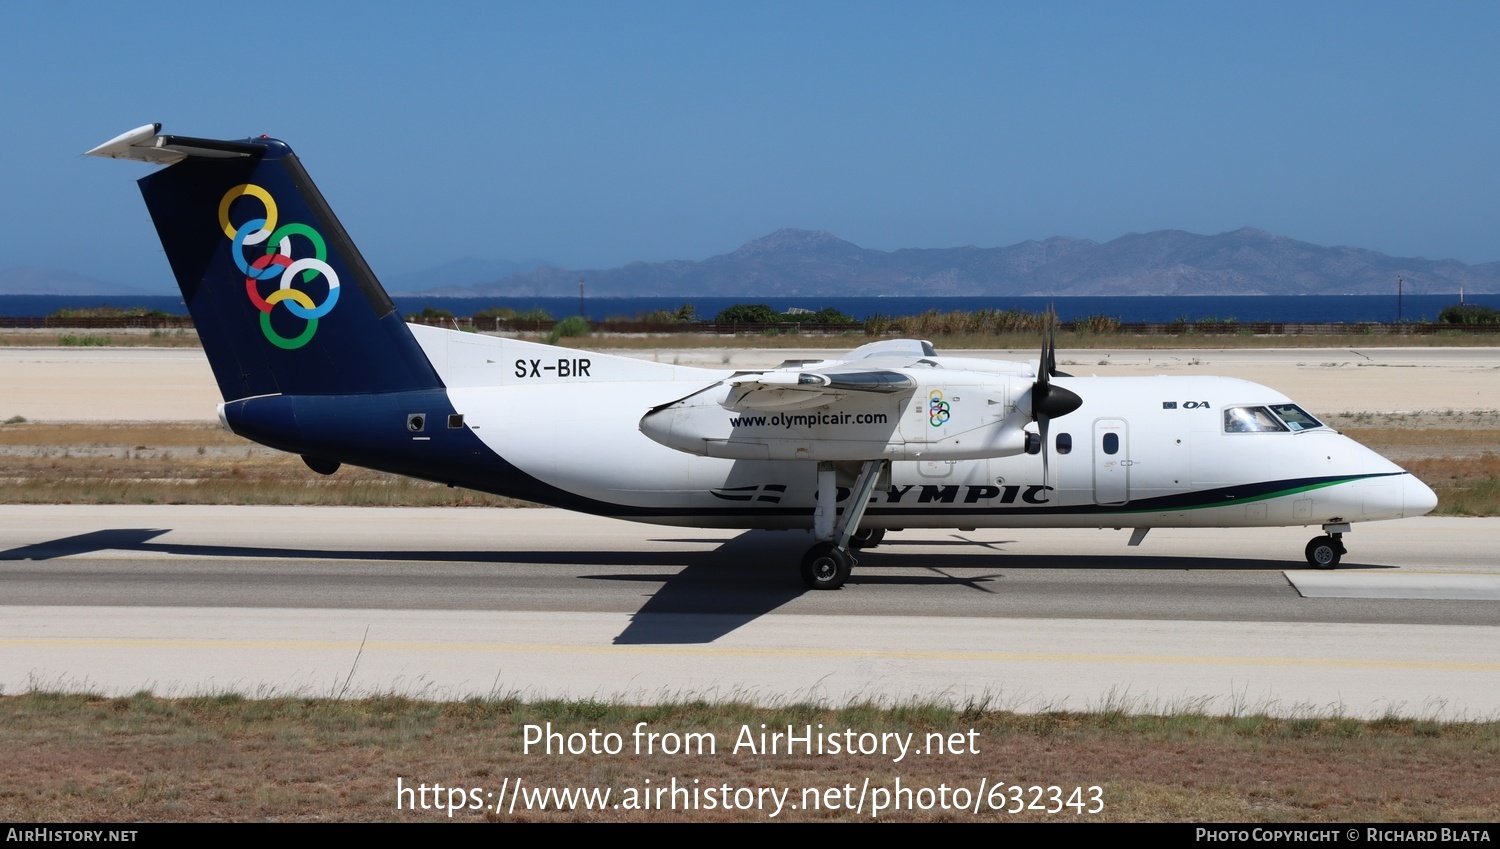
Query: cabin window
x=1295, y=417
x=1251, y=420
x=455, y=420
x=1064, y=443
x=1111, y=443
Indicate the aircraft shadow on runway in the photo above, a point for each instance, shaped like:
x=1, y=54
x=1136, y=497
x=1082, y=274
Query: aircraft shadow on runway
x=139, y=539
x=697, y=596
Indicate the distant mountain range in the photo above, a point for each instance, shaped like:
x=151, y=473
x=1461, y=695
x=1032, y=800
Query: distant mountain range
x=1165, y=262
x=812, y=263
x=52, y=281
x=460, y=272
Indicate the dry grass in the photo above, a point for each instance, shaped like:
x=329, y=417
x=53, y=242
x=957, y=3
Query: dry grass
x=1423, y=435
x=113, y=338
x=1446, y=420
x=191, y=464
x=1465, y=486
x=73, y=758
x=145, y=435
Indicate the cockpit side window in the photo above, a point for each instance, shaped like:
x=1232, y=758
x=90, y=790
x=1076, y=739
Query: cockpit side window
x=1295, y=417
x=1251, y=420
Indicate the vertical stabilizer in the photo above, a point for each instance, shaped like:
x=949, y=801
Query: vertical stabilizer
x=282, y=299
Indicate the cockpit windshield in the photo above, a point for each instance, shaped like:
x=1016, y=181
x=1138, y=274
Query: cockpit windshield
x=1295, y=417
x=1251, y=420
x=1286, y=418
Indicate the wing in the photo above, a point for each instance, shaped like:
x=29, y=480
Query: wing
x=879, y=368
x=797, y=390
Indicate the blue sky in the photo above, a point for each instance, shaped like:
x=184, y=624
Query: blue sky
x=593, y=134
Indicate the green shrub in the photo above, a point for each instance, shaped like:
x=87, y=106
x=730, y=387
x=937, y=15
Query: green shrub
x=1096, y=324
x=1468, y=314
x=747, y=314
x=107, y=311
x=573, y=325
x=829, y=315
x=533, y=315
x=496, y=314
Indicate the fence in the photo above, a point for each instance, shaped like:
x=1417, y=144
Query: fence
x=118, y=322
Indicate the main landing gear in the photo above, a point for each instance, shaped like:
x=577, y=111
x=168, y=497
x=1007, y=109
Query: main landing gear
x=1324, y=552
x=827, y=564
x=826, y=567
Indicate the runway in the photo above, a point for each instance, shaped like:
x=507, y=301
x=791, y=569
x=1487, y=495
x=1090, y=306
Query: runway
x=458, y=602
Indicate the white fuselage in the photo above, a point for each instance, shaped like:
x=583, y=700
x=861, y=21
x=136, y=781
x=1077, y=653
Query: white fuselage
x=1139, y=452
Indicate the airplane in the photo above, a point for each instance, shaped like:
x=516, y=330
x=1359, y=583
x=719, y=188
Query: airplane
x=312, y=357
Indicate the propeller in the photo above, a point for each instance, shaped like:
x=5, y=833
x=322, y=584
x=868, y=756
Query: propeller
x=1048, y=401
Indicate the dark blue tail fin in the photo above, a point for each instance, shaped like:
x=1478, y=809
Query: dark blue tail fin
x=282, y=299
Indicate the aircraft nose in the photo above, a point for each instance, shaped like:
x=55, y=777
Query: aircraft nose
x=1418, y=497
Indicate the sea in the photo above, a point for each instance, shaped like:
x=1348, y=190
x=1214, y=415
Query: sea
x=1308, y=309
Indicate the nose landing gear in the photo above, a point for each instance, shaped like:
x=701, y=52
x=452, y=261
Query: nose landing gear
x=1324, y=552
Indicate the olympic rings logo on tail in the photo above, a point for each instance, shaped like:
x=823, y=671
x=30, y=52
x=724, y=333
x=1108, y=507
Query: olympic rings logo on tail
x=278, y=262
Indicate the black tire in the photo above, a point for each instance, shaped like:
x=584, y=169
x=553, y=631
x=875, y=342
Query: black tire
x=825, y=567
x=1324, y=552
x=867, y=537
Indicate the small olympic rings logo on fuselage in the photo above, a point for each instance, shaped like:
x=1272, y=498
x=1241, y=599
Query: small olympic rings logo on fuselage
x=278, y=262
x=937, y=408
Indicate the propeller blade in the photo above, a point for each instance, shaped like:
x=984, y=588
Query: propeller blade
x=1041, y=426
x=1049, y=344
x=1049, y=348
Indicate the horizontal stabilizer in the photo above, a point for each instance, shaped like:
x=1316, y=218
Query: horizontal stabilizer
x=146, y=144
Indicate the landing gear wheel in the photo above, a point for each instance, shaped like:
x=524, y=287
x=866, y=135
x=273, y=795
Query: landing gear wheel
x=867, y=537
x=825, y=567
x=1324, y=552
